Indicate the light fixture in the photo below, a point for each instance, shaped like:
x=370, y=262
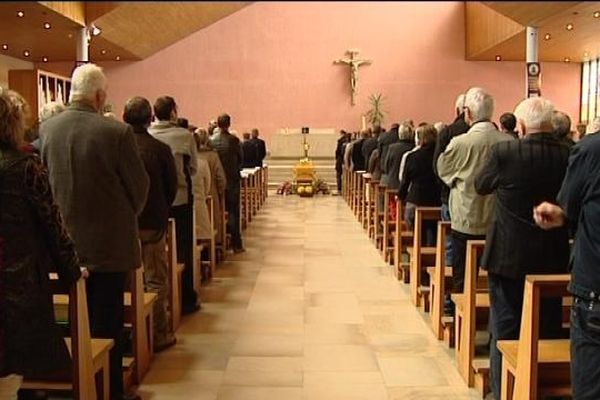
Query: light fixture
x=4, y=47
x=26, y=53
x=45, y=59
x=569, y=27
x=70, y=35
x=586, y=54
x=103, y=52
x=567, y=59
x=47, y=25
x=547, y=36
x=94, y=30
x=597, y=14
x=498, y=58
x=118, y=58
x=20, y=14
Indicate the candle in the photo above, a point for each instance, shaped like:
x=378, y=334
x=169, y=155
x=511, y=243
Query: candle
x=364, y=123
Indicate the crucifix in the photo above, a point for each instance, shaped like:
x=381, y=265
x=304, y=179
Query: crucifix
x=354, y=64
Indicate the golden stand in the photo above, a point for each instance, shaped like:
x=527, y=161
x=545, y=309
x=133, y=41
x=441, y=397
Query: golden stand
x=304, y=174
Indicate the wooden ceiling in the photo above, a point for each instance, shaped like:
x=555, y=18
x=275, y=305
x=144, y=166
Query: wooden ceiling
x=576, y=45
x=130, y=30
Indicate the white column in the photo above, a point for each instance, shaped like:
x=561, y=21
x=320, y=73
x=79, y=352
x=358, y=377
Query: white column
x=532, y=44
x=82, y=45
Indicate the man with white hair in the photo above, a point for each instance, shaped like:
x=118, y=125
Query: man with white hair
x=457, y=167
x=522, y=173
x=100, y=184
x=561, y=124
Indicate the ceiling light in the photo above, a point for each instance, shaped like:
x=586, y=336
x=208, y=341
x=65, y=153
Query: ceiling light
x=95, y=31
x=20, y=14
x=597, y=14
x=569, y=27
x=547, y=36
x=586, y=54
x=47, y=25
x=26, y=53
x=567, y=59
x=498, y=58
x=103, y=51
x=45, y=59
x=118, y=58
x=4, y=47
x=70, y=35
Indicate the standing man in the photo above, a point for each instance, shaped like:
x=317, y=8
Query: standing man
x=248, y=152
x=386, y=139
x=522, y=173
x=261, y=148
x=457, y=166
x=100, y=184
x=230, y=153
x=339, y=158
x=152, y=222
x=183, y=148
x=370, y=144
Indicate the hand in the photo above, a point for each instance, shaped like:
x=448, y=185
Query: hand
x=548, y=216
x=85, y=273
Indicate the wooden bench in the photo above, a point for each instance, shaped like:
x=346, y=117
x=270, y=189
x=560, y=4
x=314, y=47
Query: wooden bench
x=389, y=225
x=373, y=184
x=358, y=193
x=532, y=368
x=211, y=246
x=379, y=215
x=403, y=238
x=91, y=375
x=442, y=327
x=421, y=256
x=175, y=276
x=367, y=202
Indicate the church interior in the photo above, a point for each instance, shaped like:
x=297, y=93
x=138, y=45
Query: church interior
x=299, y=200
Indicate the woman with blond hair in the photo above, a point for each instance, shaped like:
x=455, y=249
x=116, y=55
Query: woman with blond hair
x=33, y=239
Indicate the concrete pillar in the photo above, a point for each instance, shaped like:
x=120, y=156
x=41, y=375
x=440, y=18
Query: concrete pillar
x=532, y=74
x=532, y=44
x=82, y=45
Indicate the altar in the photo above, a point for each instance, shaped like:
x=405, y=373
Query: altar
x=288, y=143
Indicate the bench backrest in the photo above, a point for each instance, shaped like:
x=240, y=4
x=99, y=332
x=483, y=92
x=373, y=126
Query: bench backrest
x=422, y=214
x=439, y=277
x=174, y=296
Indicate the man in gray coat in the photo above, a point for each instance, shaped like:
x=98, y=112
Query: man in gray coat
x=100, y=184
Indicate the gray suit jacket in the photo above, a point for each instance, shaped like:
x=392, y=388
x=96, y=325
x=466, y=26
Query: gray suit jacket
x=99, y=183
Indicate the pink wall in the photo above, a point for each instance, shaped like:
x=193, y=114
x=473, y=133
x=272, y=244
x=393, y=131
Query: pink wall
x=270, y=66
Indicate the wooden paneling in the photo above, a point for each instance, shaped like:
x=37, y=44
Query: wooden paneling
x=486, y=28
x=530, y=13
x=96, y=9
x=73, y=10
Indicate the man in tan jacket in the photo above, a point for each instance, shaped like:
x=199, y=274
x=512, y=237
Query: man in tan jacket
x=458, y=166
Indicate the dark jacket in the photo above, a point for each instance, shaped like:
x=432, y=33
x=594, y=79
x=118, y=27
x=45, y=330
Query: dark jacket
x=522, y=174
x=230, y=153
x=358, y=160
x=456, y=128
x=339, y=152
x=249, y=154
x=419, y=183
x=579, y=198
x=33, y=242
x=100, y=184
x=368, y=146
x=392, y=163
x=160, y=167
x=261, y=151
x=385, y=140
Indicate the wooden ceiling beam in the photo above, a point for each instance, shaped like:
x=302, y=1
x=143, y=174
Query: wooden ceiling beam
x=73, y=10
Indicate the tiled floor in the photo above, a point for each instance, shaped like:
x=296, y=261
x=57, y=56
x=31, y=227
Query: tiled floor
x=311, y=312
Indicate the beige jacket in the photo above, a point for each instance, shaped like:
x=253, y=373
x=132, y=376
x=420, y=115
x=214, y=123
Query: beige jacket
x=458, y=166
x=202, y=185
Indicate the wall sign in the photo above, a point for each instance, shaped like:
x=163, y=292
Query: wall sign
x=533, y=79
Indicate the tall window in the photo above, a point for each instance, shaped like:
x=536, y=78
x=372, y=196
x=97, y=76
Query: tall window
x=590, y=90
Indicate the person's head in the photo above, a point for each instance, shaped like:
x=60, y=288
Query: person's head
x=561, y=124
x=534, y=115
x=439, y=126
x=224, y=122
x=51, y=109
x=508, y=122
x=343, y=132
x=426, y=134
x=459, y=104
x=377, y=130
x=183, y=123
x=137, y=112
x=255, y=133
x=246, y=135
x=13, y=115
x=365, y=133
x=165, y=109
x=88, y=85
x=594, y=126
x=479, y=105
x=406, y=132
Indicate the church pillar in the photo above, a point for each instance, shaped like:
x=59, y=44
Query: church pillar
x=83, y=45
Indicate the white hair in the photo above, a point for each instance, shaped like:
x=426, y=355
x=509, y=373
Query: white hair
x=87, y=79
x=480, y=104
x=535, y=113
x=459, y=103
x=405, y=132
x=594, y=126
x=51, y=109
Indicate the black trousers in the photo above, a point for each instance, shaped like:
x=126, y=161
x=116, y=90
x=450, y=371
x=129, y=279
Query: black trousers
x=585, y=349
x=106, y=313
x=183, y=215
x=232, y=205
x=338, y=176
x=459, y=252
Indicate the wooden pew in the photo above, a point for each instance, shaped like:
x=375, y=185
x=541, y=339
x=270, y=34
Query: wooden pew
x=442, y=326
x=472, y=310
x=352, y=189
x=356, y=200
x=265, y=182
x=91, y=375
x=379, y=216
x=532, y=368
x=175, y=271
x=421, y=256
x=360, y=197
x=389, y=225
x=403, y=238
x=366, y=203
x=210, y=264
x=373, y=184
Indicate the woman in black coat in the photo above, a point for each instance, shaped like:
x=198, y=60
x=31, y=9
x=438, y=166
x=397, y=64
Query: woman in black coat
x=32, y=240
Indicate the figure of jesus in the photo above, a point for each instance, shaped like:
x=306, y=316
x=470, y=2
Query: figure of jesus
x=354, y=65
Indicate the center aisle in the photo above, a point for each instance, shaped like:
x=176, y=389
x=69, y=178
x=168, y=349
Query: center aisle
x=310, y=311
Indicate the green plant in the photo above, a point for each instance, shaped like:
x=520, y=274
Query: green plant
x=376, y=114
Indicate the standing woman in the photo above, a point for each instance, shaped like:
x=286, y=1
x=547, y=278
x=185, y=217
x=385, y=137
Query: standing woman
x=32, y=239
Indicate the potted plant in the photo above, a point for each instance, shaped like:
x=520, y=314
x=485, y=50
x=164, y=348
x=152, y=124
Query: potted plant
x=376, y=114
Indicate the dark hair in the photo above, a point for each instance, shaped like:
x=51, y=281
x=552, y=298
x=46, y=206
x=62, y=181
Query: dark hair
x=377, y=130
x=224, y=121
x=163, y=107
x=137, y=112
x=183, y=123
x=246, y=135
x=508, y=121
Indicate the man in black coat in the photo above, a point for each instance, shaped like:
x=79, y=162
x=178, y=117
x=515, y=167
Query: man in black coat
x=248, y=151
x=371, y=143
x=385, y=140
x=339, y=157
x=395, y=153
x=358, y=160
x=260, y=147
x=522, y=174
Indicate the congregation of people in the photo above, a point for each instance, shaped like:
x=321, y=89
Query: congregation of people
x=92, y=197
x=526, y=185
